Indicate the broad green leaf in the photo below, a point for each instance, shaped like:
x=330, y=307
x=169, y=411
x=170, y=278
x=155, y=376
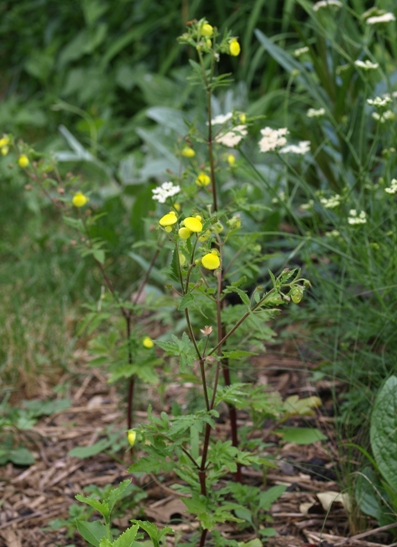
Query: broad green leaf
x=301, y=435
x=367, y=493
x=88, y=451
x=92, y=532
x=383, y=431
x=21, y=456
x=127, y=538
x=268, y=497
x=101, y=507
x=75, y=223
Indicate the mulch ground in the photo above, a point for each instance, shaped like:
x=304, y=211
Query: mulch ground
x=33, y=496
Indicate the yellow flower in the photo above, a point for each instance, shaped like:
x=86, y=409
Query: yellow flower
x=203, y=179
x=5, y=150
x=211, y=261
x=184, y=233
x=4, y=141
x=147, y=342
x=182, y=259
x=234, y=48
x=207, y=30
x=231, y=160
x=131, y=436
x=23, y=161
x=188, y=152
x=208, y=43
x=177, y=206
x=79, y=199
x=193, y=224
x=169, y=219
x=242, y=117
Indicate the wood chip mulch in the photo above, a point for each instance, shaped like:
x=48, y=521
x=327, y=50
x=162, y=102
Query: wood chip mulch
x=33, y=496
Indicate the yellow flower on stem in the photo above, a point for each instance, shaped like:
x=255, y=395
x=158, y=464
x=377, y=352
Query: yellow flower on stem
x=231, y=160
x=23, y=161
x=234, y=48
x=131, y=436
x=79, y=199
x=203, y=179
x=193, y=224
x=147, y=342
x=4, y=150
x=184, y=233
x=207, y=30
x=4, y=142
x=168, y=220
x=211, y=261
x=188, y=152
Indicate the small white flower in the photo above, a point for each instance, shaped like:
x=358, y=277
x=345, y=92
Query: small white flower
x=166, y=190
x=272, y=138
x=232, y=137
x=313, y=113
x=332, y=233
x=332, y=202
x=302, y=148
x=379, y=101
x=327, y=3
x=366, y=65
x=386, y=116
x=221, y=119
x=392, y=189
x=385, y=18
x=301, y=51
x=355, y=218
x=307, y=206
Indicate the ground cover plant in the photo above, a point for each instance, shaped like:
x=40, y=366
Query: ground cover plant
x=316, y=192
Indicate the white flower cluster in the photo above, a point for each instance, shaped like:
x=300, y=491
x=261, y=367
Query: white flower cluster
x=327, y=3
x=332, y=202
x=307, y=206
x=392, y=189
x=355, y=218
x=272, y=139
x=332, y=233
x=221, y=119
x=315, y=113
x=166, y=190
x=384, y=117
x=301, y=51
x=302, y=148
x=379, y=102
x=366, y=65
x=384, y=18
x=232, y=137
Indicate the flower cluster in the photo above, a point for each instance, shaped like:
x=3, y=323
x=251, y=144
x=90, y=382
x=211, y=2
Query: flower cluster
x=366, y=65
x=302, y=148
x=166, y=190
x=384, y=18
x=384, y=117
x=272, y=139
x=232, y=137
x=357, y=218
x=392, y=189
x=326, y=4
x=301, y=51
x=315, y=113
x=379, y=102
x=332, y=202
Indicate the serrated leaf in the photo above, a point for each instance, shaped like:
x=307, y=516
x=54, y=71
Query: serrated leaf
x=127, y=538
x=92, y=532
x=101, y=507
x=186, y=300
x=237, y=354
x=301, y=435
x=268, y=497
x=117, y=493
x=75, y=223
x=383, y=431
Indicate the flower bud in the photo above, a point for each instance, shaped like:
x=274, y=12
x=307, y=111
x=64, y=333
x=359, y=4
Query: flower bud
x=207, y=30
x=131, y=436
x=23, y=161
x=147, y=342
x=79, y=199
x=188, y=152
x=234, y=48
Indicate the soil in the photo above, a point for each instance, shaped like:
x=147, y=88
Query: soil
x=307, y=514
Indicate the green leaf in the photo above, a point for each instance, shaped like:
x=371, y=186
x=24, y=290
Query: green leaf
x=101, y=507
x=99, y=255
x=383, y=431
x=368, y=493
x=117, y=493
x=75, y=223
x=268, y=497
x=21, y=456
x=92, y=532
x=237, y=354
x=301, y=435
x=88, y=451
x=127, y=538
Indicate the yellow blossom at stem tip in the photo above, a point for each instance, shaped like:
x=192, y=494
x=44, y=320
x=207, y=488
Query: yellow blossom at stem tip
x=184, y=233
x=4, y=141
x=131, y=436
x=169, y=219
x=207, y=30
x=234, y=48
x=147, y=342
x=188, y=152
x=23, y=161
x=193, y=224
x=79, y=199
x=211, y=261
x=203, y=179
